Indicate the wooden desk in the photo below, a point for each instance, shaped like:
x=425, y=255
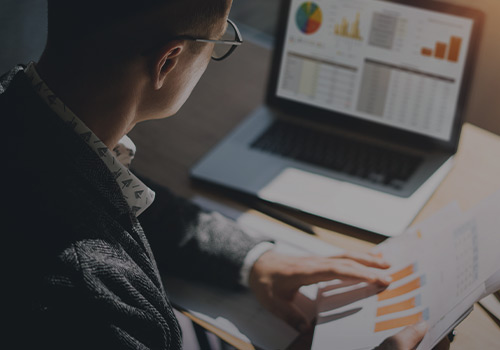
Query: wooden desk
x=228, y=92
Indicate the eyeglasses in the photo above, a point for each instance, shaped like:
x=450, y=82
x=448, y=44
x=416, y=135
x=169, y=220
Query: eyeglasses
x=224, y=47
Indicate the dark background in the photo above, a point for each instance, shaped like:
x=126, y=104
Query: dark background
x=23, y=26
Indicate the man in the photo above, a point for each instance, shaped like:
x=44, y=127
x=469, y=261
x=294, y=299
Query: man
x=89, y=239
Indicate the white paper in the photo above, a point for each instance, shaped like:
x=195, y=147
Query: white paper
x=449, y=261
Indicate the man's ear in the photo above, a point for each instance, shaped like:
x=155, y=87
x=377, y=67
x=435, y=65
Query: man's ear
x=164, y=60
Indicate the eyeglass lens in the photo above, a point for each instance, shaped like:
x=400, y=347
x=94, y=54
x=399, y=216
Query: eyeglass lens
x=222, y=50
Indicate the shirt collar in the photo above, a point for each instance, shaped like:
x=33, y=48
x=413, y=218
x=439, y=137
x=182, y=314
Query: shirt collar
x=138, y=196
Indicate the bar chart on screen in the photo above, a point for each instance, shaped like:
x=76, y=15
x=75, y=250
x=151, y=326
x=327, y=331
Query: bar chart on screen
x=347, y=23
x=445, y=51
x=349, y=30
x=440, y=40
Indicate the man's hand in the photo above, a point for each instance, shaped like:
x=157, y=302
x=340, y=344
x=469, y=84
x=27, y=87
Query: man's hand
x=276, y=278
x=409, y=338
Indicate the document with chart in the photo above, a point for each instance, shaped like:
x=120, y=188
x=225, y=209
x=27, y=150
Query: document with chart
x=440, y=268
x=375, y=60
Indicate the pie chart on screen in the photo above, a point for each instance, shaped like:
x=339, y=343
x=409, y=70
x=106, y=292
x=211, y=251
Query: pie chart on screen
x=309, y=17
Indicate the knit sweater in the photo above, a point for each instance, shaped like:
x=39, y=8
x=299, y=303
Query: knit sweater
x=86, y=271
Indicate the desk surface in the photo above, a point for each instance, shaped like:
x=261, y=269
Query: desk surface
x=228, y=92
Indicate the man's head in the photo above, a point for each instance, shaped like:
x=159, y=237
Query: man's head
x=138, y=42
x=70, y=22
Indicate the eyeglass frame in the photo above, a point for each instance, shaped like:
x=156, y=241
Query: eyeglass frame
x=234, y=43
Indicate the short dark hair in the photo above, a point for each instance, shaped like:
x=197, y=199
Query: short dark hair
x=71, y=20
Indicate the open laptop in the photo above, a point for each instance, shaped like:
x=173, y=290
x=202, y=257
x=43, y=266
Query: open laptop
x=364, y=111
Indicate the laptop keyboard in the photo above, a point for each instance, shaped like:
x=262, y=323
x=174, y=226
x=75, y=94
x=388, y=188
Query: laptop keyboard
x=355, y=158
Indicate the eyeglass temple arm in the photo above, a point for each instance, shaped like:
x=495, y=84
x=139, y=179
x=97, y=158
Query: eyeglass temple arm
x=224, y=42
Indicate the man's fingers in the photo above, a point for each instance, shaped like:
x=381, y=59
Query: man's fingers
x=353, y=269
x=366, y=259
x=411, y=336
x=407, y=339
x=328, y=269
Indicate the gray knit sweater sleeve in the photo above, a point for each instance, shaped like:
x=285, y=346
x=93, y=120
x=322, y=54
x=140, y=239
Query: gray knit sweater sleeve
x=194, y=244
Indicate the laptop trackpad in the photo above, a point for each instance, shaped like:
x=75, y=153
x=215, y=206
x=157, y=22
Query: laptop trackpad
x=293, y=186
x=345, y=202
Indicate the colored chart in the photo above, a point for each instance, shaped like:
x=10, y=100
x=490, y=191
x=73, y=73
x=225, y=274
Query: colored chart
x=402, y=321
x=397, y=308
x=445, y=51
x=349, y=30
x=309, y=17
x=401, y=290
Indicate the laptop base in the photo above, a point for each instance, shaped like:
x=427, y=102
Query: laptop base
x=315, y=190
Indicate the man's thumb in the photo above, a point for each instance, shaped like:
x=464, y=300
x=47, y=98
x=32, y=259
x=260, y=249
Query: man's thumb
x=414, y=334
x=408, y=338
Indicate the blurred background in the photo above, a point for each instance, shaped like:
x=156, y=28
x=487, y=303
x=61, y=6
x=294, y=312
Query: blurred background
x=23, y=31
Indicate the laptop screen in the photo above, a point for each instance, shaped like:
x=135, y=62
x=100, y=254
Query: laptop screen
x=379, y=61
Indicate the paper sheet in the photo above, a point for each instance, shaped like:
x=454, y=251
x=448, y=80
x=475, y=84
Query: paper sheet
x=440, y=268
x=239, y=313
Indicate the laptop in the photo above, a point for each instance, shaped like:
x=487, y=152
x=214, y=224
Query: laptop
x=363, y=115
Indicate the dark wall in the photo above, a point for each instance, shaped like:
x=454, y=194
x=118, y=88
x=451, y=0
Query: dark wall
x=484, y=104
x=23, y=30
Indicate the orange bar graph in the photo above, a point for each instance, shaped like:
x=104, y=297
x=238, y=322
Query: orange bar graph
x=426, y=51
x=402, y=290
x=455, y=46
x=398, y=322
x=402, y=306
x=407, y=271
x=440, y=51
